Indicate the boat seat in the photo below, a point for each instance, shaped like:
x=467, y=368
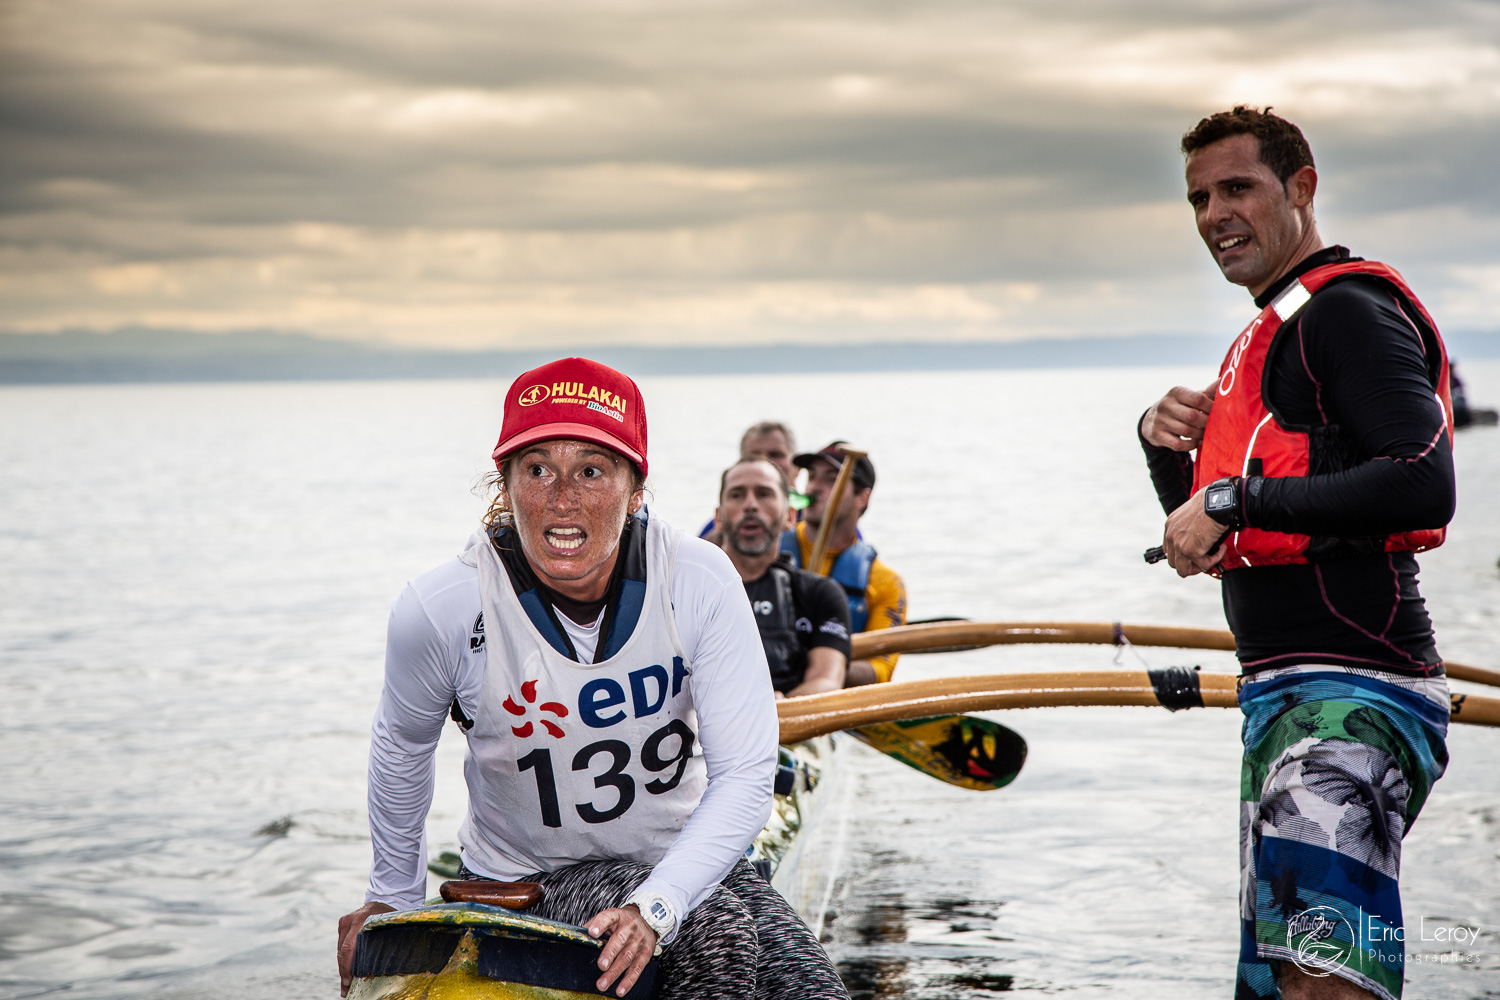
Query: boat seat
x=510, y=895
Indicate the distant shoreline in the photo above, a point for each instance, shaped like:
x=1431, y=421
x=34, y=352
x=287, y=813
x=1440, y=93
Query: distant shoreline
x=140, y=355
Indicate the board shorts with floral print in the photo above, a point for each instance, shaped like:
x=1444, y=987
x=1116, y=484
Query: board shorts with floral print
x=1338, y=762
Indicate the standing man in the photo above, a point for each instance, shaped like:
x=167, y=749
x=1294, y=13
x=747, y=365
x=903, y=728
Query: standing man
x=803, y=618
x=1324, y=463
x=877, y=596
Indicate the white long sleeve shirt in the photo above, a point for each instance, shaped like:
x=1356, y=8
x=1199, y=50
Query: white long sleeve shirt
x=436, y=652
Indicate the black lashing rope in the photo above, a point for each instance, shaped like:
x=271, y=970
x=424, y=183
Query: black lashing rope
x=1176, y=688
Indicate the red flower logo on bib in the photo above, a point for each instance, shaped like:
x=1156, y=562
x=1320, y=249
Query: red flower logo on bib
x=528, y=695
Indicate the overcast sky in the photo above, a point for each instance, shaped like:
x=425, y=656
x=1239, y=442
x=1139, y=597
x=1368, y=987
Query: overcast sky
x=483, y=173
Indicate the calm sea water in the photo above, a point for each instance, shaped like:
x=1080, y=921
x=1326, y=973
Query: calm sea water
x=192, y=611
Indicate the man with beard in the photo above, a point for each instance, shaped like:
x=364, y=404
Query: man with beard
x=803, y=618
x=876, y=594
x=774, y=442
x=1324, y=463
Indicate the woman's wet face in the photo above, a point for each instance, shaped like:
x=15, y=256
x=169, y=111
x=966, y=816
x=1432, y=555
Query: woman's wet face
x=570, y=499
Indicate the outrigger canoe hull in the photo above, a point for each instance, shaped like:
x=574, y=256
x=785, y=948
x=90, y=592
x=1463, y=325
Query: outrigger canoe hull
x=470, y=951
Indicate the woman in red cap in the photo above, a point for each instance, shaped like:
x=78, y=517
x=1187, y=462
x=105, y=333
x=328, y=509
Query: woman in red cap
x=622, y=732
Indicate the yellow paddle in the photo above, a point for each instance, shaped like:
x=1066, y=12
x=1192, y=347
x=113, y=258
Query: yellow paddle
x=835, y=497
x=962, y=750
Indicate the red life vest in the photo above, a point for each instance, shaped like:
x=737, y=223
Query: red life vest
x=1243, y=438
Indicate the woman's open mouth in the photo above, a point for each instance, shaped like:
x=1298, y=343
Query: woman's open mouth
x=566, y=539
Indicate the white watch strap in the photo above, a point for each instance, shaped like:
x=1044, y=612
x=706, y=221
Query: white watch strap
x=657, y=913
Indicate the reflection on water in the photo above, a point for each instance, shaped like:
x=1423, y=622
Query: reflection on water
x=873, y=970
x=192, y=610
x=890, y=978
x=877, y=920
x=872, y=978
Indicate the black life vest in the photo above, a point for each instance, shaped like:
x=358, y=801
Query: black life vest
x=778, y=629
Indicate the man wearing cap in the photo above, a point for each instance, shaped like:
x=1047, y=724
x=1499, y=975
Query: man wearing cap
x=622, y=733
x=803, y=618
x=876, y=594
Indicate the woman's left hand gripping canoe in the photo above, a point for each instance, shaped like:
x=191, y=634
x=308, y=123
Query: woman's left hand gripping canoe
x=631, y=944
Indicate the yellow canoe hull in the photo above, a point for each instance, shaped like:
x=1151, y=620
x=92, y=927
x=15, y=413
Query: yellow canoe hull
x=469, y=951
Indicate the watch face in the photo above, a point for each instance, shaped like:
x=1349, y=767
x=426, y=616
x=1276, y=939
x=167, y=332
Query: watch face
x=658, y=910
x=1220, y=499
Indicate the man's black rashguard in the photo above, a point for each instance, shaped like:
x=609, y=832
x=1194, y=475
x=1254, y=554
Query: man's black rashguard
x=797, y=611
x=1355, y=374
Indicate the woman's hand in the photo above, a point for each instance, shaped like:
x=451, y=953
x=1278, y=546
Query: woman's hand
x=349, y=925
x=631, y=944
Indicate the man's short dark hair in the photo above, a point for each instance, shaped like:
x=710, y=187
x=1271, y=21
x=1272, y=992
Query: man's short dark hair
x=786, y=490
x=1282, y=147
x=769, y=427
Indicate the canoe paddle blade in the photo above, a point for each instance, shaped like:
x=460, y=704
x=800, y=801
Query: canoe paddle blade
x=962, y=750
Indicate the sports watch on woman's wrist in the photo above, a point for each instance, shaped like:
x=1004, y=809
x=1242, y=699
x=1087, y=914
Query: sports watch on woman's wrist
x=1221, y=502
x=657, y=913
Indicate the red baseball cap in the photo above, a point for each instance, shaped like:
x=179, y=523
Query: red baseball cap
x=575, y=398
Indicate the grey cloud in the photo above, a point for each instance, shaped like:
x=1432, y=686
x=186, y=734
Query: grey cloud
x=896, y=144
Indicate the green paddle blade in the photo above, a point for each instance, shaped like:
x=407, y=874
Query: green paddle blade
x=962, y=750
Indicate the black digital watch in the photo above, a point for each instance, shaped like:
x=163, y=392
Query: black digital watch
x=1221, y=502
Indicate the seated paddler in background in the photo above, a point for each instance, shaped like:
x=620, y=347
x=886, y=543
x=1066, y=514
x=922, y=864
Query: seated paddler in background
x=876, y=594
x=803, y=618
x=773, y=441
x=622, y=735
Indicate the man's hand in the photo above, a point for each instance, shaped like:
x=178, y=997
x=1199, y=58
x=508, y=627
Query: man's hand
x=1177, y=420
x=631, y=944
x=349, y=925
x=1189, y=537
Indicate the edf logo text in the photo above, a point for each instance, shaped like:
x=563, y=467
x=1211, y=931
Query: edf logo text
x=602, y=702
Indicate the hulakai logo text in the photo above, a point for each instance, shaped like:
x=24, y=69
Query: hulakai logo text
x=574, y=392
